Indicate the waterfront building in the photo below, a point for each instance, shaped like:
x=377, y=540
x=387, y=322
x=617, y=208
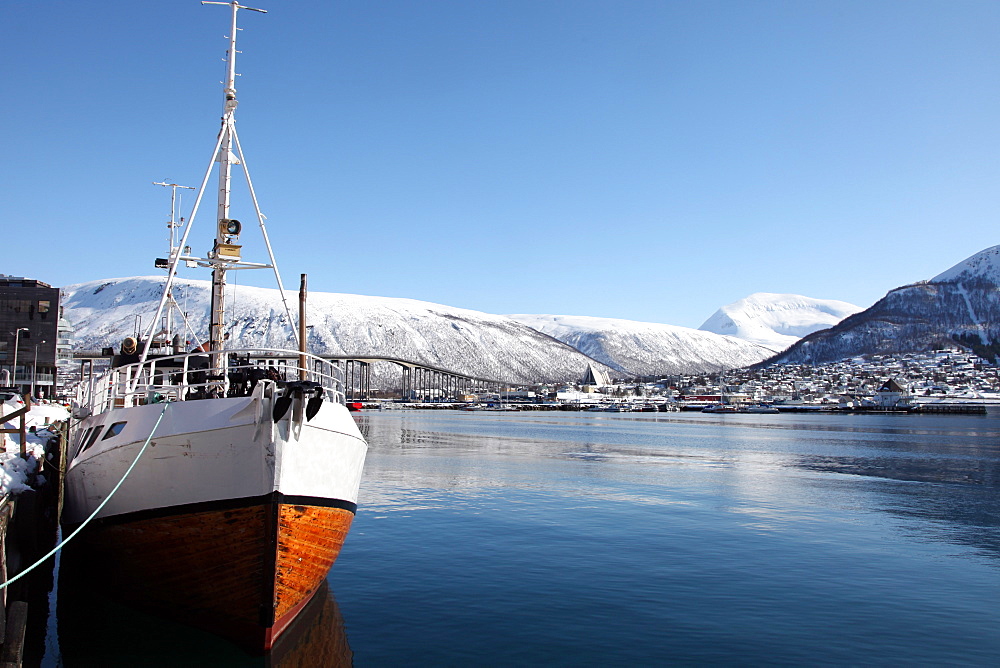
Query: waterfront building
x=29, y=333
x=891, y=395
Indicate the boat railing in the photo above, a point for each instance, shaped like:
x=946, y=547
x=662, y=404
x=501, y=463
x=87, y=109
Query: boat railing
x=191, y=376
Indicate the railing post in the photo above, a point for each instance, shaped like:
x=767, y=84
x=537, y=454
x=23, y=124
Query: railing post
x=24, y=432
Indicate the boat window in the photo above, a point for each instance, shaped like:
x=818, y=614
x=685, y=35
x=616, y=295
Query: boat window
x=83, y=440
x=113, y=430
x=92, y=439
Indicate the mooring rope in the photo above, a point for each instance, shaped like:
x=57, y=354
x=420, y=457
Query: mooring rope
x=96, y=510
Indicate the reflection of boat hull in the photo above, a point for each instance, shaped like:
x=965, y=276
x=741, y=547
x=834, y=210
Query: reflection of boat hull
x=317, y=637
x=232, y=527
x=128, y=637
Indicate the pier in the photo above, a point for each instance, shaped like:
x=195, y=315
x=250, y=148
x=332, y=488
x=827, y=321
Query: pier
x=962, y=409
x=29, y=522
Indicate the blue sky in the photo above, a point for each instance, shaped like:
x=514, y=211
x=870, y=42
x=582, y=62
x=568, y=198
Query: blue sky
x=641, y=160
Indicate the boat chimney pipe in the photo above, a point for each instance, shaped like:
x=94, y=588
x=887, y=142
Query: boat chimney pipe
x=302, y=328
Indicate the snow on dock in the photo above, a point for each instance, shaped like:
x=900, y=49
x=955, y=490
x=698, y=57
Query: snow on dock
x=16, y=470
x=28, y=521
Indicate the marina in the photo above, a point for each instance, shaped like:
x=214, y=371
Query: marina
x=206, y=473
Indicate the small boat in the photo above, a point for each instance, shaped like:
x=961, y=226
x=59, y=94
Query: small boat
x=759, y=408
x=501, y=408
x=215, y=486
x=720, y=408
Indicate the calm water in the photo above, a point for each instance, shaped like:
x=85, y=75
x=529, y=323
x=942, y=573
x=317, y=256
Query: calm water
x=634, y=539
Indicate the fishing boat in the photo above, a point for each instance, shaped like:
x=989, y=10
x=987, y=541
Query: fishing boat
x=215, y=485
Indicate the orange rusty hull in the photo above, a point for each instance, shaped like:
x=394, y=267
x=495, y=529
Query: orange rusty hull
x=241, y=568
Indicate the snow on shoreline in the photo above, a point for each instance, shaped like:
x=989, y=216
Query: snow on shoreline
x=14, y=471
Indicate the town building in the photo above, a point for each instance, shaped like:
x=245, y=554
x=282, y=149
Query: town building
x=593, y=379
x=29, y=334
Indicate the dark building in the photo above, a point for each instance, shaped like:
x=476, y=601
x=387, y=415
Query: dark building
x=29, y=320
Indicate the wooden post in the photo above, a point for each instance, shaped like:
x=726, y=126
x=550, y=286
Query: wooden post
x=302, y=329
x=4, y=523
x=24, y=433
x=19, y=413
x=13, y=647
x=63, y=463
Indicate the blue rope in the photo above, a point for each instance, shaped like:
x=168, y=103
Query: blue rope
x=96, y=510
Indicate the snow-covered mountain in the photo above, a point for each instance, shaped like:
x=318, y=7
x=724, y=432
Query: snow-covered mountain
x=644, y=348
x=520, y=349
x=469, y=342
x=776, y=321
x=961, y=305
x=983, y=265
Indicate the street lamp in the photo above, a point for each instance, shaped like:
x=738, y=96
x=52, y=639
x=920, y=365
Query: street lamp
x=17, y=337
x=34, y=369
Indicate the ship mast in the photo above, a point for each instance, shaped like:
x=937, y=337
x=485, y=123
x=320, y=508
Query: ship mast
x=225, y=253
x=175, y=251
x=227, y=230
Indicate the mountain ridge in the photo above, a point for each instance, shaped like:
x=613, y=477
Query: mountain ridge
x=960, y=306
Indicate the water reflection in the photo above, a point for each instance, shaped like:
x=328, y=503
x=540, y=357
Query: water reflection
x=94, y=630
x=682, y=539
x=969, y=471
x=937, y=475
x=941, y=499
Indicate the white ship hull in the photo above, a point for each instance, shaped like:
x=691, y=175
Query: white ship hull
x=212, y=450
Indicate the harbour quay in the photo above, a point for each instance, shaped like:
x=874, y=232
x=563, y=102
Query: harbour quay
x=34, y=436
